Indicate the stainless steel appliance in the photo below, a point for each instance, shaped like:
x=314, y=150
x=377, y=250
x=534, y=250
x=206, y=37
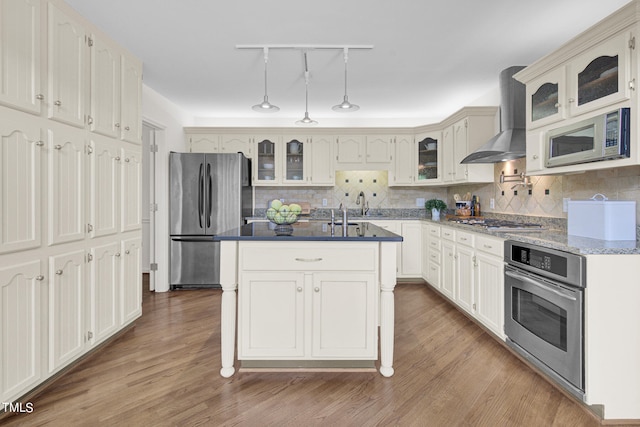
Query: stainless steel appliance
x=208, y=194
x=544, y=310
x=604, y=137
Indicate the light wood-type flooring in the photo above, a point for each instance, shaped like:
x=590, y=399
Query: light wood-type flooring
x=165, y=372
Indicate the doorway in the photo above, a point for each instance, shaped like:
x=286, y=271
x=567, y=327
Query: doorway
x=149, y=205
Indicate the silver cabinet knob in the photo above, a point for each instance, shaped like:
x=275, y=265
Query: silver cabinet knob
x=117, y=125
x=316, y=289
x=40, y=278
x=58, y=147
x=535, y=157
x=59, y=272
x=127, y=128
x=117, y=254
x=126, y=160
x=127, y=252
x=39, y=143
x=299, y=288
x=57, y=103
x=40, y=96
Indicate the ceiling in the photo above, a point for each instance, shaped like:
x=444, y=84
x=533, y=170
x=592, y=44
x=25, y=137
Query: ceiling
x=429, y=58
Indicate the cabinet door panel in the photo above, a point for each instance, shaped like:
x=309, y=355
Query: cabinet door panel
x=104, y=278
x=350, y=149
x=464, y=278
x=237, y=144
x=321, y=162
x=20, y=191
x=448, y=269
x=66, y=309
x=105, y=87
x=490, y=293
x=271, y=316
x=378, y=149
x=67, y=68
x=131, y=280
x=404, y=168
x=66, y=186
x=131, y=190
x=344, y=310
x=204, y=143
x=411, y=249
x=104, y=192
x=21, y=329
x=20, y=54
x=460, y=150
x=131, y=100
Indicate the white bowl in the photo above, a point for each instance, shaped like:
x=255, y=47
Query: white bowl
x=268, y=165
x=267, y=177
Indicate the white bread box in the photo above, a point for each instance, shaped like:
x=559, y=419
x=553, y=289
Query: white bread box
x=600, y=218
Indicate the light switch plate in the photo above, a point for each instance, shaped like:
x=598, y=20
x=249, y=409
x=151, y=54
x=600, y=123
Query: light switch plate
x=492, y=203
x=420, y=202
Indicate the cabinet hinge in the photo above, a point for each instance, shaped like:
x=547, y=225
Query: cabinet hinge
x=153, y=148
x=632, y=84
x=89, y=120
x=89, y=335
x=89, y=149
x=90, y=41
x=153, y=207
x=89, y=257
x=632, y=43
x=89, y=228
x=153, y=266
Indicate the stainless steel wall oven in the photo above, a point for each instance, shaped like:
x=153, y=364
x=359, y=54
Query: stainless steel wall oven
x=544, y=310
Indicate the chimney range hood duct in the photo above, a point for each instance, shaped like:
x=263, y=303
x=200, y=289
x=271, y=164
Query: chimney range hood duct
x=509, y=144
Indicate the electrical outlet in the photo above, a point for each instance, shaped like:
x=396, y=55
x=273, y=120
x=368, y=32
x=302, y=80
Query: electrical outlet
x=492, y=203
x=565, y=204
x=324, y=202
x=420, y=202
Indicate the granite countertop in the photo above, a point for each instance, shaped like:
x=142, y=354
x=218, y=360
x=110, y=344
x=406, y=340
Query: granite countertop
x=557, y=238
x=309, y=231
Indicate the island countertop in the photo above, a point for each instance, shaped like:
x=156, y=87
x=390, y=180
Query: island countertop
x=309, y=231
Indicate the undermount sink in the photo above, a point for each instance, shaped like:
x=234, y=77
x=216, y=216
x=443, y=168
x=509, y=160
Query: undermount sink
x=340, y=223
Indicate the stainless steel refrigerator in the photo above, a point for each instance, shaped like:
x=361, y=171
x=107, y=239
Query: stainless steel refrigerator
x=209, y=194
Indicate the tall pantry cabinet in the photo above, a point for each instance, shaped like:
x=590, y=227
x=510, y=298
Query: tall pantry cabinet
x=70, y=183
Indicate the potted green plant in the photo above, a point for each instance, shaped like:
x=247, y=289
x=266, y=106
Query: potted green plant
x=436, y=206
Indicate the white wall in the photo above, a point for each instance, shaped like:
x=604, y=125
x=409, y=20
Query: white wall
x=169, y=121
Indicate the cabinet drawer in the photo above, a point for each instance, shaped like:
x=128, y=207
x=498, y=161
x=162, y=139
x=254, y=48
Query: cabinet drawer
x=306, y=258
x=464, y=238
x=448, y=233
x=434, y=244
x=433, y=230
x=435, y=256
x=490, y=245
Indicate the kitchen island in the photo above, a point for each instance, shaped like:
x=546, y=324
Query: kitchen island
x=309, y=296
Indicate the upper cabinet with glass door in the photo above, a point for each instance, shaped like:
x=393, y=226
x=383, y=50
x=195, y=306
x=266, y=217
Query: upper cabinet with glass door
x=599, y=77
x=428, y=159
x=267, y=162
x=294, y=161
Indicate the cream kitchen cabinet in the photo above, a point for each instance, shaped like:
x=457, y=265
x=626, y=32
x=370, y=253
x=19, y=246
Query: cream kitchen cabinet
x=267, y=164
x=307, y=303
x=22, y=330
x=66, y=155
x=67, y=330
x=364, y=152
x=471, y=273
x=244, y=144
x=21, y=55
x=410, y=249
x=20, y=166
x=321, y=160
x=462, y=138
x=432, y=255
x=428, y=158
x=67, y=72
x=308, y=161
x=104, y=168
x=104, y=283
x=130, y=99
x=105, y=87
x=131, y=187
x=403, y=171
x=204, y=143
x=130, y=292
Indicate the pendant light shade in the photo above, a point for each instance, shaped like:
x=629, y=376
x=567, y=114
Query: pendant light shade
x=345, y=106
x=265, y=106
x=306, y=121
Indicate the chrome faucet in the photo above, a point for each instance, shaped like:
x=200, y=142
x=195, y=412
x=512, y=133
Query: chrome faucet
x=365, y=205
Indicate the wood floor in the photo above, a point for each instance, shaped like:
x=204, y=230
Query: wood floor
x=448, y=372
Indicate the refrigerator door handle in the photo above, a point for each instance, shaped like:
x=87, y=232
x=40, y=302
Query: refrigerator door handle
x=200, y=194
x=209, y=206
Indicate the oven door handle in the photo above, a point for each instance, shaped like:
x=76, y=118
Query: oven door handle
x=538, y=284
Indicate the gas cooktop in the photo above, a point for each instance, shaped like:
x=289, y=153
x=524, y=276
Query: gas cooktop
x=499, y=224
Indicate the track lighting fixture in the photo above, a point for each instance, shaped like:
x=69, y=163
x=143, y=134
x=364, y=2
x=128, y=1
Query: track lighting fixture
x=265, y=106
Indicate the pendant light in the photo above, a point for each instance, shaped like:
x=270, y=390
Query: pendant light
x=345, y=106
x=265, y=106
x=306, y=121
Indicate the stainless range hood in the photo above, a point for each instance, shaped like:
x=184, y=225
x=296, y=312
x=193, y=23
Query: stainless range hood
x=509, y=144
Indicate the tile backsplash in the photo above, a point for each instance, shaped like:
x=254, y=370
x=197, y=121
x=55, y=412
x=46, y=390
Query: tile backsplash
x=543, y=197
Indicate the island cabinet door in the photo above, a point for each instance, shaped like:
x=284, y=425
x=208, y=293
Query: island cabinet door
x=344, y=316
x=271, y=315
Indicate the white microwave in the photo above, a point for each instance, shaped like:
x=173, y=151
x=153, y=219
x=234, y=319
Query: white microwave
x=604, y=137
